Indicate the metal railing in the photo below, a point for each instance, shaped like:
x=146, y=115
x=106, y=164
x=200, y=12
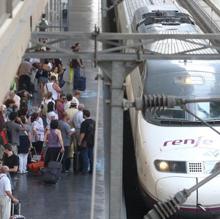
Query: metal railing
x=3, y=13
x=6, y=8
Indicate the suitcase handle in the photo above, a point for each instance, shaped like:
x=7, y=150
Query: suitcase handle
x=60, y=157
x=13, y=208
x=35, y=153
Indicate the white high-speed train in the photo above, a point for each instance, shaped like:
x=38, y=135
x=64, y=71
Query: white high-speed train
x=174, y=150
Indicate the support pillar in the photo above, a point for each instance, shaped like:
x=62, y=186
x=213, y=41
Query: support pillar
x=116, y=72
x=116, y=147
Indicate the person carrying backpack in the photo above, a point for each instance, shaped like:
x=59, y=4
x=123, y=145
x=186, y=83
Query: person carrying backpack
x=86, y=142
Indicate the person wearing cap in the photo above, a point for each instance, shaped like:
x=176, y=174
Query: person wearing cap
x=76, y=97
x=72, y=110
x=5, y=194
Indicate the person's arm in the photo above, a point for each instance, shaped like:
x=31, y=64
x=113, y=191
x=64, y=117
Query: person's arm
x=14, y=169
x=34, y=132
x=18, y=127
x=13, y=199
x=30, y=139
x=82, y=132
x=57, y=88
x=61, y=140
x=68, y=130
x=79, y=61
x=46, y=137
x=81, y=137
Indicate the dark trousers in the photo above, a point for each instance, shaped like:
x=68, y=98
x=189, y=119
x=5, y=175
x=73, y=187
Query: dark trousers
x=66, y=159
x=51, y=155
x=38, y=145
x=24, y=83
x=86, y=155
x=76, y=77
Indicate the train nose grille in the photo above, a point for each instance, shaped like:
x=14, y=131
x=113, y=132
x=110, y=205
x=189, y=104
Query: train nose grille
x=195, y=167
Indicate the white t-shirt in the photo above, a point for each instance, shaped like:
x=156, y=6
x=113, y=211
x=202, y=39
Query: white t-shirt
x=5, y=184
x=39, y=127
x=17, y=100
x=55, y=94
x=67, y=105
x=76, y=101
x=78, y=119
x=51, y=116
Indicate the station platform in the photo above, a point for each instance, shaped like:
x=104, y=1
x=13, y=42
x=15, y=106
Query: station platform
x=71, y=196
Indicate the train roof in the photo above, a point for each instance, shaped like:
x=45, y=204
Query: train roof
x=151, y=20
x=175, y=46
x=165, y=7
x=136, y=11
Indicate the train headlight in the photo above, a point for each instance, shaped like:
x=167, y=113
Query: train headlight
x=170, y=166
x=163, y=166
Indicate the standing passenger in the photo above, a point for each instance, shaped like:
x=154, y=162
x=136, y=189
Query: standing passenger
x=37, y=132
x=60, y=106
x=5, y=194
x=76, y=64
x=12, y=161
x=24, y=145
x=54, y=88
x=53, y=140
x=51, y=114
x=86, y=141
x=66, y=135
x=14, y=128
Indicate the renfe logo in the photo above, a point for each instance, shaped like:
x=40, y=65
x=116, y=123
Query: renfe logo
x=194, y=142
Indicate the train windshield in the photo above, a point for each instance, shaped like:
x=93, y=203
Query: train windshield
x=165, y=18
x=188, y=85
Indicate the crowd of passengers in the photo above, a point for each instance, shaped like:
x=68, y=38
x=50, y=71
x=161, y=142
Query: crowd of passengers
x=56, y=123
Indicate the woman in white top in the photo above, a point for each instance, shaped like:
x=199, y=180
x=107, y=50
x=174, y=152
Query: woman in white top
x=37, y=132
x=45, y=102
x=51, y=114
x=54, y=88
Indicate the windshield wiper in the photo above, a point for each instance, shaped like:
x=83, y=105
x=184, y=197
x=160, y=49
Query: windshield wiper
x=160, y=102
x=200, y=119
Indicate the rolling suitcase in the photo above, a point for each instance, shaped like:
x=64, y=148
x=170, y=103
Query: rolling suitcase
x=16, y=211
x=52, y=173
